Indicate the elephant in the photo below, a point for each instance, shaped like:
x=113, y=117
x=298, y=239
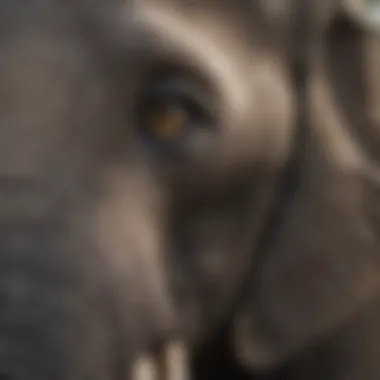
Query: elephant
x=130, y=247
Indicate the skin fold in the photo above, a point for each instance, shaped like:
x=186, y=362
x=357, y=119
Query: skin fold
x=252, y=240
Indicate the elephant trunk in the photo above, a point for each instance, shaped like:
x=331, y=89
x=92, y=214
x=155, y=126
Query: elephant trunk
x=82, y=290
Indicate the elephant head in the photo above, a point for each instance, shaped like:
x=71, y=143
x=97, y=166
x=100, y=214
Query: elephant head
x=152, y=187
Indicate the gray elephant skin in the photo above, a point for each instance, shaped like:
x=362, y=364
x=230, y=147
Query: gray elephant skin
x=200, y=175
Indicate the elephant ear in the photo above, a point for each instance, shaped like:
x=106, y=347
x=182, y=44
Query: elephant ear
x=322, y=262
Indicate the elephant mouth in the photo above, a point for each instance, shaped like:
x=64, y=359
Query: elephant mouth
x=170, y=363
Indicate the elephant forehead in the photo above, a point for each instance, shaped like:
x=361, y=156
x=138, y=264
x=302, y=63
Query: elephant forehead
x=48, y=84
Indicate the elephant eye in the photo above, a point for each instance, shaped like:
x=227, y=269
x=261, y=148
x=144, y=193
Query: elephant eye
x=170, y=113
x=168, y=120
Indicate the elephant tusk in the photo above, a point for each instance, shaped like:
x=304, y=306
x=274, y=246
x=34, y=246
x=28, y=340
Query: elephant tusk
x=145, y=368
x=176, y=362
x=172, y=363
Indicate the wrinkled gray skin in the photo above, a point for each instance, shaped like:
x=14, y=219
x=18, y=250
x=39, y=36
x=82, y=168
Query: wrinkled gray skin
x=107, y=249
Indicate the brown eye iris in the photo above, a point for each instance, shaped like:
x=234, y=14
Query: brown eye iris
x=170, y=120
x=166, y=121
